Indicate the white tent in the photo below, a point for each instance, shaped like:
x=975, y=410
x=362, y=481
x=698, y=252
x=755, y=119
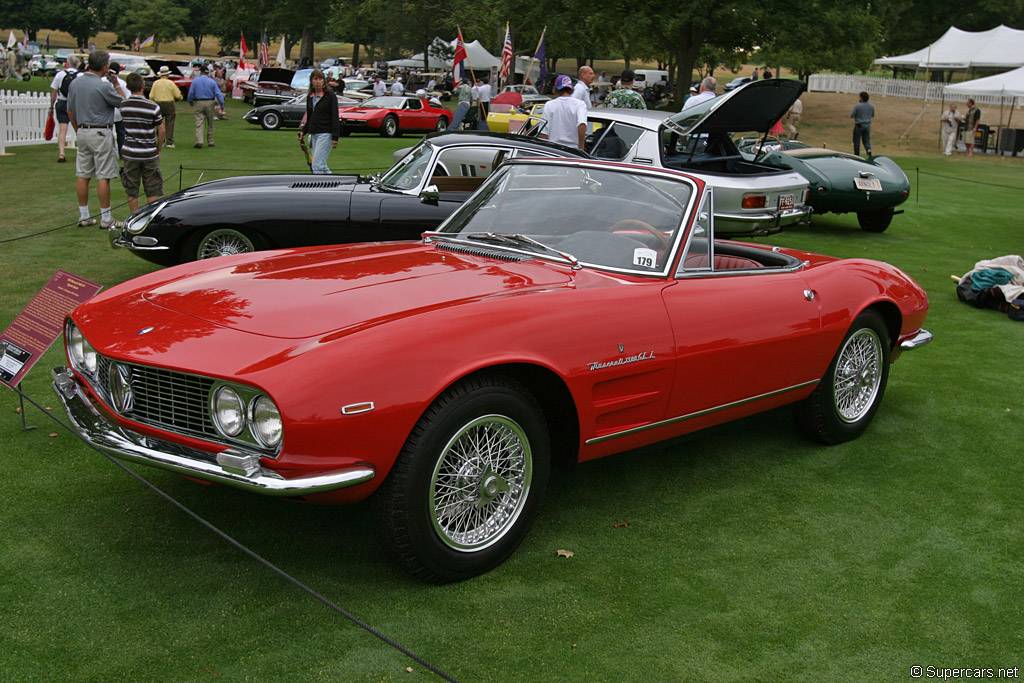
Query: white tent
x=999, y=48
x=1009, y=84
x=479, y=58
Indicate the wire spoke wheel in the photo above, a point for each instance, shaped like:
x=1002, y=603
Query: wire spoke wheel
x=858, y=375
x=848, y=396
x=224, y=242
x=481, y=482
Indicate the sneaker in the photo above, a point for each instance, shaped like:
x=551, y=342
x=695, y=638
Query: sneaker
x=198, y=146
x=112, y=223
x=169, y=145
x=86, y=222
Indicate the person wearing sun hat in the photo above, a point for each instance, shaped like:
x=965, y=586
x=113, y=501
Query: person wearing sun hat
x=565, y=117
x=165, y=92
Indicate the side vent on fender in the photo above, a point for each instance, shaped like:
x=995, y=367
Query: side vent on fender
x=315, y=184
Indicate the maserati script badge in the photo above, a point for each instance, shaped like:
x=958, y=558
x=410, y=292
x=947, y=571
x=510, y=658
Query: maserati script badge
x=646, y=355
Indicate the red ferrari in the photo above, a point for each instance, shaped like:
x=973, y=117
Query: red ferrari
x=393, y=115
x=570, y=309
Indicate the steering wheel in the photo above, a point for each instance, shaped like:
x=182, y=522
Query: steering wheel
x=759, y=145
x=634, y=223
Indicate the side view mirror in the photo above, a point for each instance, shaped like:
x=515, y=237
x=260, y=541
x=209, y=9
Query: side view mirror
x=430, y=194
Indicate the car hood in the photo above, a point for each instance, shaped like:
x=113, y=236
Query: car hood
x=302, y=293
x=276, y=75
x=268, y=183
x=754, y=106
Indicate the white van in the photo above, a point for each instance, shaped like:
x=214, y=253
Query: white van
x=650, y=77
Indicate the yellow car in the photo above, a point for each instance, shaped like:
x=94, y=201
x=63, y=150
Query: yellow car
x=512, y=120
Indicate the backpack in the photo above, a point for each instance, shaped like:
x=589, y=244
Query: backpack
x=65, y=83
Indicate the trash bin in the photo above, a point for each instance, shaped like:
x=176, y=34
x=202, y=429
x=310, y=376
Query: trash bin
x=981, y=137
x=1011, y=140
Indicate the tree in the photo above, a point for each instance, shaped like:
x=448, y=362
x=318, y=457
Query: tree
x=198, y=22
x=162, y=19
x=817, y=36
x=77, y=17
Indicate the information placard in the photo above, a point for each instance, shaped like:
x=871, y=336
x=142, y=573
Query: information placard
x=39, y=324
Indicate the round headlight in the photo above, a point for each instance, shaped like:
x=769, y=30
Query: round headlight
x=266, y=422
x=228, y=411
x=83, y=355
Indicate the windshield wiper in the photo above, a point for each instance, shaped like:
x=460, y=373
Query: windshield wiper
x=505, y=239
x=519, y=240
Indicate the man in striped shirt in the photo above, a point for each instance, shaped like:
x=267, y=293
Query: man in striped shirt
x=144, y=136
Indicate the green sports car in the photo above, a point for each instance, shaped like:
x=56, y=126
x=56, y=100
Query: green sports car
x=840, y=182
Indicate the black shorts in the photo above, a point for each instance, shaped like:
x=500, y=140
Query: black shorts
x=60, y=110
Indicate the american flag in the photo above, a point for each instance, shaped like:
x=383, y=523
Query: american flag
x=506, y=56
x=137, y=43
x=265, y=51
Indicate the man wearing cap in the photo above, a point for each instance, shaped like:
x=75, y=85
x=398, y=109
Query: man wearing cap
x=205, y=95
x=164, y=93
x=92, y=101
x=625, y=97
x=565, y=116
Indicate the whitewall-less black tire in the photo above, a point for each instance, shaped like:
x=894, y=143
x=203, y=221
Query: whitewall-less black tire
x=468, y=482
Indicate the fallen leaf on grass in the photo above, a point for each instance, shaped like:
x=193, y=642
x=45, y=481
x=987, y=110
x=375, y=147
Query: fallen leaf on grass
x=17, y=410
x=565, y=553
x=408, y=669
x=618, y=524
x=53, y=434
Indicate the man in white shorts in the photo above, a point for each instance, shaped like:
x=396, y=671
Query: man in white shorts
x=92, y=100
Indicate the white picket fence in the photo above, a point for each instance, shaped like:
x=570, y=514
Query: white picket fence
x=890, y=87
x=23, y=120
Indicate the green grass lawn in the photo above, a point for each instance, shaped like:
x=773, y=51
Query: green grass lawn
x=750, y=553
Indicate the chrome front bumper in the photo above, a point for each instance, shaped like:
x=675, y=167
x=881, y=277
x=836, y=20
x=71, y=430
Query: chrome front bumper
x=232, y=467
x=121, y=240
x=922, y=337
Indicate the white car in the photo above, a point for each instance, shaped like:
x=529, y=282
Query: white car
x=750, y=198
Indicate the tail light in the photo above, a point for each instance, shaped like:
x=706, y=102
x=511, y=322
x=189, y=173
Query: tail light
x=754, y=201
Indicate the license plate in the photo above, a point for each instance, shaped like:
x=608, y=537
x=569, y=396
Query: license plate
x=787, y=201
x=868, y=184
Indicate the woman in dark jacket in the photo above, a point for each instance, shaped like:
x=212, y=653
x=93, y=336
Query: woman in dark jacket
x=321, y=123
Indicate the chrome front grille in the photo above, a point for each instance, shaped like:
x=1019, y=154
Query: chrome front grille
x=175, y=401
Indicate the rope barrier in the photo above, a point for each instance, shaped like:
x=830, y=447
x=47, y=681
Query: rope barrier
x=238, y=545
x=74, y=223
x=968, y=180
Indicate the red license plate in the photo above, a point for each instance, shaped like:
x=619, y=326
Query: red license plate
x=787, y=201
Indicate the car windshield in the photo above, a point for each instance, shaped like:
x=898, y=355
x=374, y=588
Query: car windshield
x=300, y=81
x=605, y=218
x=298, y=99
x=383, y=103
x=407, y=173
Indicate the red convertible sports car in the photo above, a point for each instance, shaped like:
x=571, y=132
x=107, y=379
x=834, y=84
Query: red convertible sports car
x=392, y=115
x=570, y=309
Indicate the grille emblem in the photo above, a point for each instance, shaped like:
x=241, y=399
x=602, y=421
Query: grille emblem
x=119, y=382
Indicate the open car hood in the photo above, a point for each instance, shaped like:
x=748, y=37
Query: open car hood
x=276, y=75
x=755, y=106
x=155, y=65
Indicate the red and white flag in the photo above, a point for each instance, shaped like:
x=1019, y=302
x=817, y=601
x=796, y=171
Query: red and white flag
x=506, y=56
x=458, y=66
x=241, y=53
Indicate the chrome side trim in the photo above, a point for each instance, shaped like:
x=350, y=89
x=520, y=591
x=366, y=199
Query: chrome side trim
x=235, y=466
x=920, y=339
x=699, y=413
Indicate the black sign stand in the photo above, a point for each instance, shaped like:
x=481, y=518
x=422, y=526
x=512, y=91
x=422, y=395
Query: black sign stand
x=21, y=405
